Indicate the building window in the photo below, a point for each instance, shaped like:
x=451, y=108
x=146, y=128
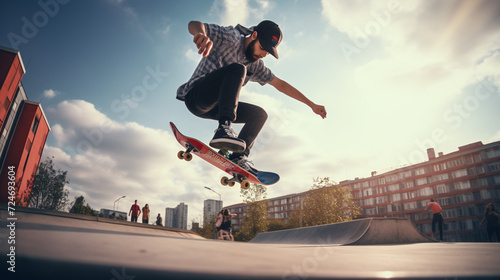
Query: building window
x=412, y=195
x=404, y=175
x=381, y=199
x=495, y=166
x=449, y=213
x=368, y=201
x=442, y=189
x=410, y=205
x=425, y=192
x=466, y=197
x=408, y=184
x=462, y=185
x=444, y=201
x=485, y=194
x=439, y=177
x=392, y=178
x=394, y=187
x=436, y=168
x=35, y=125
x=454, y=163
x=421, y=181
x=396, y=197
x=420, y=171
x=493, y=153
x=459, y=173
x=370, y=211
x=367, y=192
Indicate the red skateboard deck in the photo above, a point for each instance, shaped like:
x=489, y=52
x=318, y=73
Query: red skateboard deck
x=203, y=151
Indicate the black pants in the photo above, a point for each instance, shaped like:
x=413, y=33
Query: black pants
x=438, y=219
x=216, y=96
x=492, y=233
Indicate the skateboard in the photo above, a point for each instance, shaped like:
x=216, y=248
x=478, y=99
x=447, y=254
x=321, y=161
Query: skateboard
x=239, y=175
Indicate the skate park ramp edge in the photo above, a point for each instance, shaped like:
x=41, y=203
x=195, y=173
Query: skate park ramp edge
x=369, y=231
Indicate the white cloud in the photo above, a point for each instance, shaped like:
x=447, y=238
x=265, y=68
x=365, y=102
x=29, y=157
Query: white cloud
x=192, y=54
x=50, y=93
x=231, y=12
x=106, y=159
x=415, y=56
x=241, y=12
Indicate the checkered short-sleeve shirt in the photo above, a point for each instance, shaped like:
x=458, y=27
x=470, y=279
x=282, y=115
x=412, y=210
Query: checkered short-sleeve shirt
x=227, y=48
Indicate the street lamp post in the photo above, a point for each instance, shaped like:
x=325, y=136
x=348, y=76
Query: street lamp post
x=214, y=192
x=116, y=201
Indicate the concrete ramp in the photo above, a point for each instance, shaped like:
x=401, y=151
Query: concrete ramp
x=370, y=231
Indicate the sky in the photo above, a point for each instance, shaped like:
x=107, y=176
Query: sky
x=396, y=78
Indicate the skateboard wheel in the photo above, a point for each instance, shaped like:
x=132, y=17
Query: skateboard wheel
x=224, y=180
x=188, y=156
x=245, y=184
x=180, y=155
x=231, y=184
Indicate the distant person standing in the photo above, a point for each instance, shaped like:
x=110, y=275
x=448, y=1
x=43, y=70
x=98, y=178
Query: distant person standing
x=145, y=214
x=135, y=209
x=159, y=221
x=437, y=217
x=492, y=225
x=225, y=227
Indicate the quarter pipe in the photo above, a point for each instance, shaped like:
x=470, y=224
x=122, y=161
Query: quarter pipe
x=370, y=231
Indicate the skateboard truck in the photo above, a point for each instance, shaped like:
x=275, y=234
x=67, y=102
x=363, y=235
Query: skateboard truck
x=187, y=156
x=245, y=184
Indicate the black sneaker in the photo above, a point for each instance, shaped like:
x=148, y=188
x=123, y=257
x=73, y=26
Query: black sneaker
x=243, y=162
x=226, y=139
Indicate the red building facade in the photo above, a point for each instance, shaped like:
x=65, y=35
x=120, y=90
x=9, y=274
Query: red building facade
x=462, y=182
x=24, y=130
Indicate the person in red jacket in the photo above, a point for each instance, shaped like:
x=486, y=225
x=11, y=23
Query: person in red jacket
x=135, y=209
x=437, y=217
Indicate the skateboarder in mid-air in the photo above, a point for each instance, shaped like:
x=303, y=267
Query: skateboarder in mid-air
x=232, y=56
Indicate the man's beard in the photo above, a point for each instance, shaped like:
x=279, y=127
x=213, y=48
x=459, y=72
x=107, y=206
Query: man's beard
x=249, y=53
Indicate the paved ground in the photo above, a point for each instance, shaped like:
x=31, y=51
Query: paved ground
x=53, y=247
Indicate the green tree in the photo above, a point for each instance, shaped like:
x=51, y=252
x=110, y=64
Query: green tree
x=48, y=187
x=79, y=207
x=208, y=229
x=256, y=220
x=276, y=225
x=325, y=203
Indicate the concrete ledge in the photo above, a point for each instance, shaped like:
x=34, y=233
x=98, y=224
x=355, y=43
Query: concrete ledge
x=25, y=210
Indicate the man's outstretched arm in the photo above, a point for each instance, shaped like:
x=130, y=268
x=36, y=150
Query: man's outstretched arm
x=203, y=43
x=294, y=93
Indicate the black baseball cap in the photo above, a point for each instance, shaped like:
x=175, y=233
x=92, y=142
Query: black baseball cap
x=269, y=35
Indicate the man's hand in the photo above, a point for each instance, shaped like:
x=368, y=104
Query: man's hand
x=319, y=109
x=203, y=43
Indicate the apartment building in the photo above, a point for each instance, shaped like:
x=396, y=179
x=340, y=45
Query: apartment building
x=462, y=182
x=177, y=217
x=23, y=129
x=211, y=208
x=278, y=208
